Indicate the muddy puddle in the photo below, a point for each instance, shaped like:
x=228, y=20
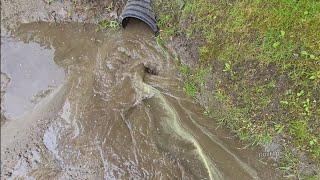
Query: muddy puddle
x=81, y=104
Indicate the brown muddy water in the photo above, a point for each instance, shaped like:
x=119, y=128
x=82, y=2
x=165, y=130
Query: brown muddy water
x=81, y=104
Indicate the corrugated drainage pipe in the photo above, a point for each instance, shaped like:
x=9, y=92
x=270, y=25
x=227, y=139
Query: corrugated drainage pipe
x=139, y=9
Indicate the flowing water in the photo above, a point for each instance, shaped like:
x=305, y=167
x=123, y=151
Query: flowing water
x=81, y=104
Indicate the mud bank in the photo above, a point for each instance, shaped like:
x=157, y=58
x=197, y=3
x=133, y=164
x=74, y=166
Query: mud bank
x=86, y=11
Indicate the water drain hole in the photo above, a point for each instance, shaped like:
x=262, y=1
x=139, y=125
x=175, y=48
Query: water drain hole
x=151, y=70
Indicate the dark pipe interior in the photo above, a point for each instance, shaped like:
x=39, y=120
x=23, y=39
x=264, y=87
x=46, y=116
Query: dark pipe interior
x=128, y=20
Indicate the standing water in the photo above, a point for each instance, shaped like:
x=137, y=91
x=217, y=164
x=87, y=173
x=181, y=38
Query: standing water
x=81, y=104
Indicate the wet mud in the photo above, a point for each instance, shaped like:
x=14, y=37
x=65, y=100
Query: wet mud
x=82, y=104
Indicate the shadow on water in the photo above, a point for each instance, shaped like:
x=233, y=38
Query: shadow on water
x=114, y=110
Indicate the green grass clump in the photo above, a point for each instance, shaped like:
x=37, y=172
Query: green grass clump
x=108, y=24
x=190, y=88
x=265, y=58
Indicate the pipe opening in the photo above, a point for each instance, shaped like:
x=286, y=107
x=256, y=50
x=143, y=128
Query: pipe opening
x=153, y=27
x=141, y=10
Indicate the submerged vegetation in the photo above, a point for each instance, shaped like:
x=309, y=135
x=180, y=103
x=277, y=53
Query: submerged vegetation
x=108, y=24
x=264, y=57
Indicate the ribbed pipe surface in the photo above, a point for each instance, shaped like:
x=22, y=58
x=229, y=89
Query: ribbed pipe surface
x=139, y=9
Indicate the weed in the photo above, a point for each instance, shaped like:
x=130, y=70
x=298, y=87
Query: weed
x=279, y=128
x=190, y=88
x=288, y=163
x=110, y=7
x=50, y=1
x=184, y=70
x=160, y=41
x=299, y=130
x=199, y=76
x=207, y=113
x=227, y=67
x=108, y=24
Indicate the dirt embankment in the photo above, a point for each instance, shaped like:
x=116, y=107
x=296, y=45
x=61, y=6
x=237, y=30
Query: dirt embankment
x=248, y=66
x=23, y=11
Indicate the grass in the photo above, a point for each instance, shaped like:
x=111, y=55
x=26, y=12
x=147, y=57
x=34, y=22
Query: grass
x=265, y=57
x=108, y=24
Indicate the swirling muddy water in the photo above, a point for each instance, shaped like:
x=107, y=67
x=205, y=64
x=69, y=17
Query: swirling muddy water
x=81, y=104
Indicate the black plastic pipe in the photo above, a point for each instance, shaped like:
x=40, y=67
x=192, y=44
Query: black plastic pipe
x=139, y=9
